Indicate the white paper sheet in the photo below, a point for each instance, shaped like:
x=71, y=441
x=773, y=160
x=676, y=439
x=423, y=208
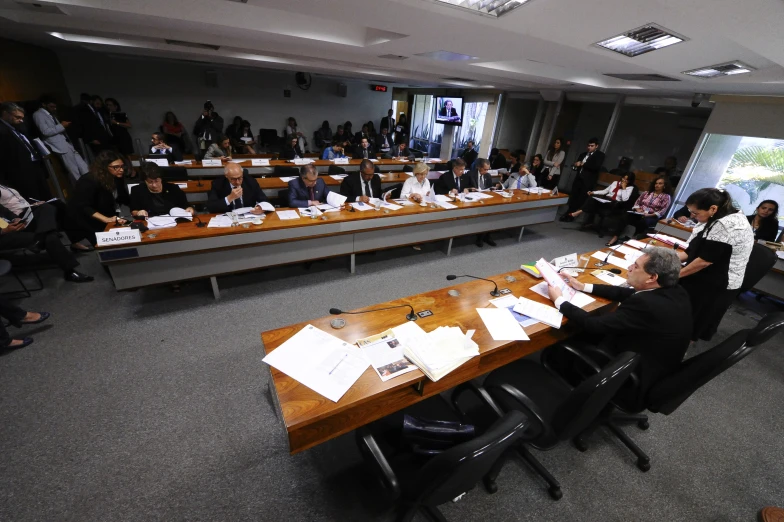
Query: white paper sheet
x=580, y=299
x=391, y=206
x=338, y=177
x=502, y=325
x=266, y=206
x=609, y=277
x=637, y=244
x=219, y=222
x=288, y=178
x=287, y=214
x=509, y=301
x=361, y=206
x=549, y=315
x=444, y=204
x=180, y=212
x=336, y=199
x=613, y=260
x=161, y=222
x=553, y=278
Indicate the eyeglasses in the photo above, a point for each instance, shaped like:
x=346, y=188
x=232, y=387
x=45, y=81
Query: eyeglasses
x=117, y=167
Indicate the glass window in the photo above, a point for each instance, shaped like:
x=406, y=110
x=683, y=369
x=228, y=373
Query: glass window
x=473, y=126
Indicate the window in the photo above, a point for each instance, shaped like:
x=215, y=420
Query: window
x=472, y=129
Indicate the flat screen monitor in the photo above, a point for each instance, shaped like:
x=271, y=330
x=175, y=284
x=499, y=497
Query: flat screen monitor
x=449, y=110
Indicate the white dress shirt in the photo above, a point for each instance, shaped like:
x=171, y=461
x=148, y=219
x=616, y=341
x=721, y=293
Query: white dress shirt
x=413, y=186
x=623, y=194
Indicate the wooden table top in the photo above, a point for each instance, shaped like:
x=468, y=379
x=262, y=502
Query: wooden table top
x=273, y=222
x=311, y=419
x=196, y=165
x=195, y=187
x=675, y=224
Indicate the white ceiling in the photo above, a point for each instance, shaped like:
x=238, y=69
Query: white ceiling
x=545, y=44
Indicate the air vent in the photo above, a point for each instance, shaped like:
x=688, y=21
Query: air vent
x=645, y=39
x=195, y=45
x=457, y=80
x=494, y=8
x=722, y=69
x=643, y=77
x=447, y=56
x=393, y=57
x=40, y=8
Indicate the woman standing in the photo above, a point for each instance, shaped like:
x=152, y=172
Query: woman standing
x=719, y=249
x=650, y=207
x=98, y=195
x=553, y=160
x=119, y=125
x=764, y=222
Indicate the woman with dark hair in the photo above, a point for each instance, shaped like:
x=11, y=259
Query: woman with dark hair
x=497, y=160
x=537, y=169
x=349, y=131
x=617, y=192
x=292, y=128
x=221, y=149
x=325, y=134
x=154, y=197
x=119, y=125
x=719, y=249
x=174, y=130
x=97, y=196
x=765, y=222
x=372, y=131
x=650, y=207
x=555, y=156
x=241, y=136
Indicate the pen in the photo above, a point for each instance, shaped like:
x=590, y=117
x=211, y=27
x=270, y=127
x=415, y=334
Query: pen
x=338, y=364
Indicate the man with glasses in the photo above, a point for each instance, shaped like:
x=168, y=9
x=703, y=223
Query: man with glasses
x=363, y=186
x=21, y=167
x=235, y=190
x=159, y=148
x=154, y=197
x=453, y=182
x=307, y=190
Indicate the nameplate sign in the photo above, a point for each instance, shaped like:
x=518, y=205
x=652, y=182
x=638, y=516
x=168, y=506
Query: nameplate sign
x=118, y=236
x=211, y=163
x=564, y=261
x=340, y=161
x=161, y=162
x=259, y=162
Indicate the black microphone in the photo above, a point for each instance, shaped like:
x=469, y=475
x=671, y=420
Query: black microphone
x=613, y=270
x=612, y=249
x=199, y=224
x=494, y=293
x=411, y=317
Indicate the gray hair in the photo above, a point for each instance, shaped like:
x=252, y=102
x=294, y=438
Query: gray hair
x=481, y=162
x=9, y=107
x=664, y=263
x=304, y=170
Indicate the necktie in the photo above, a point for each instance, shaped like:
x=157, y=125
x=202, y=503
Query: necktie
x=364, y=153
x=27, y=145
x=457, y=183
x=519, y=182
x=56, y=122
x=367, y=190
x=238, y=202
x=312, y=194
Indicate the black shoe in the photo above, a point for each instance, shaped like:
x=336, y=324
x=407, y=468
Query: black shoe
x=44, y=317
x=36, y=247
x=76, y=277
x=564, y=218
x=479, y=242
x=27, y=341
x=489, y=241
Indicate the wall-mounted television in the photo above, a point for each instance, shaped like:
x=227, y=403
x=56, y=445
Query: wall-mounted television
x=449, y=110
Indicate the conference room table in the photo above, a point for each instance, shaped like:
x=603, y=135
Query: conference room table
x=311, y=419
x=187, y=251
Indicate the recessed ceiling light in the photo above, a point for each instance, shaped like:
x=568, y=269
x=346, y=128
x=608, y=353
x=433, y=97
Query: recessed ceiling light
x=722, y=69
x=649, y=37
x=447, y=56
x=494, y=8
x=95, y=40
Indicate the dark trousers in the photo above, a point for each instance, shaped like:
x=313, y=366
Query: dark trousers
x=42, y=228
x=14, y=314
x=584, y=182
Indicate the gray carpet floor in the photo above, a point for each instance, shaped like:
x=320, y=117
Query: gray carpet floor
x=152, y=405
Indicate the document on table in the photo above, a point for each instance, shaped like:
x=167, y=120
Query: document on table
x=266, y=206
x=338, y=176
x=287, y=214
x=549, y=315
x=361, y=206
x=580, y=299
x=481, y=195
x=336, y=199
x=509, y=301
x=613, y=260
x=384, y=352
x=637, y=244
x=630, y=253
x=441, y=197
x=444, y=204
x=553, y=278
x=536, y=190
x=608, y=277
x=183, y=162
x=161, y=222
x=219, y=222
x=391, y=206
x=320, y=361
x=288, y=178
x=403, y=202
x=310, y=211
x=502, y=325
x=180, y=212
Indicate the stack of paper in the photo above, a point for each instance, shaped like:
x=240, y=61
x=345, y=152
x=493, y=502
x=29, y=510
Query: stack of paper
x=287, y=214
x=161, y=222
x=436, y=353
x=286, y=179
x=481, y=195
x=221, y=221
x=338, y=177
x=384, y=351
x=178, y=212
x=579, y=299
x=664, y=238
x=548, y=315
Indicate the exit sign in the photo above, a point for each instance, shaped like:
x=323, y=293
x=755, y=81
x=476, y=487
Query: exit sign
x=378, y=88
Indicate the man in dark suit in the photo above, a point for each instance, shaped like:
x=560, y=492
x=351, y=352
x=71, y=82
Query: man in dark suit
x=401, y=150
x=447, y=111
x=93, y=125
x=364, y=150
x=469, y=155
x=587, y=167
x=384, y=142
x=454, y=182
x=481, y=180
x=653, y=318
x=307, y=190
x=235, y=190
x=364, y=133
x=161, y=149
x=362, y=186
x=388, y=122
x=21, y=165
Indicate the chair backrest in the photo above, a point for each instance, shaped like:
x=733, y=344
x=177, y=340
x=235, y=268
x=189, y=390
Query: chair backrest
x=669, y=393
x=174, y=174
x=268, y=137
x=282, y=172
x=396, y=189
x=590, y=397
x=335, y=169
x=458, y=469
x=760, y=262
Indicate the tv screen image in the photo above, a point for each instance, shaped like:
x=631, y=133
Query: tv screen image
x=449, y=110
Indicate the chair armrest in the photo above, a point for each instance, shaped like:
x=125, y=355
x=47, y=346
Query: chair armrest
x=571, y=352
x=370, y=449
x=606, y=357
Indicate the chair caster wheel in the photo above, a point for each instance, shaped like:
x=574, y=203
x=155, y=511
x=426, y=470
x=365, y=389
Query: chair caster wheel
x=490, y=486
x=555, y=493
x=580, y=445
x=644, y=465
x=643, y=425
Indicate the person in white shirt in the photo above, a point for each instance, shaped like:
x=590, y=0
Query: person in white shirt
x=56, y=138
x=417, y=187
x=520, y=179
x=617, y=192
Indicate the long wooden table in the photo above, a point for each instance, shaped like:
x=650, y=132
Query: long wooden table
x=187, y=252
x=311, y=419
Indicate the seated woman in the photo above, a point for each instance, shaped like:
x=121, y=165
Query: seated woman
x=221, y=149
x=765, y=222
x=617, y=192
x=520, y=179
x=292, y=150
x=538, y=169
x=518, y=159
x=650, y=207
x=154, y=197
x=97, y=196
x=335, y=151
x=416, y=188
x=241, y=136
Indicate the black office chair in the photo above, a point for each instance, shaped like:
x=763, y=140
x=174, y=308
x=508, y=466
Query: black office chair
x=421, y=484
x=760, y=262
x=395, y=191
x=408, y=168
x=6, y=267
x=174, y=174
x=666, y=395
x=282, y=172
x=335, y=169
x=556, y=412
x=268, y=137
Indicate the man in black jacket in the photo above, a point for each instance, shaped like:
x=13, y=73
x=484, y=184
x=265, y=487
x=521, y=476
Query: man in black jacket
x=364, y=150
x=587, y=167
x=453, y=181
x=93, y=125
x=362, y=186
x=21, y=166
x=208, y=127
x=160, y=149
x=469, y=155
x=236, y=190
x=653, y=318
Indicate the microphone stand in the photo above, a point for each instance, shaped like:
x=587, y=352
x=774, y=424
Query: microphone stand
x=411, y=316
x=494, y=293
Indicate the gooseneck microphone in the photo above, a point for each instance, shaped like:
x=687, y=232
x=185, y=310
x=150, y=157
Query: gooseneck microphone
x=613, y=270
x=200, y=224
x=494, y=293
x=612, y=250
x=411, y=317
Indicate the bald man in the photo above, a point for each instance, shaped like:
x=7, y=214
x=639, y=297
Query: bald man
x=235, y=190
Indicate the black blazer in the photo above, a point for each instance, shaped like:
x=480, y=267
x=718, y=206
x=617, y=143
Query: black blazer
x=768, y=229
x=446, y=183
x=17, y=168
x=350, y=187
x=370, y=150
x=174, y=155
x=173, y=196
x=395, y=152
x=290, y=152
x=469, y=156
x=385, y=124
x=89, y=197
x=380, y=142
x=90, y=126
x=656, y=324
x=593, y=164
x=487, y=179
x=442, y=112
x=251, y=194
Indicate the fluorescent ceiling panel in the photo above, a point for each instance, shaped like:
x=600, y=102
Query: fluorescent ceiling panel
x=722, y=69
x=447, y=56
x=649, y=37
x=494, y=8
